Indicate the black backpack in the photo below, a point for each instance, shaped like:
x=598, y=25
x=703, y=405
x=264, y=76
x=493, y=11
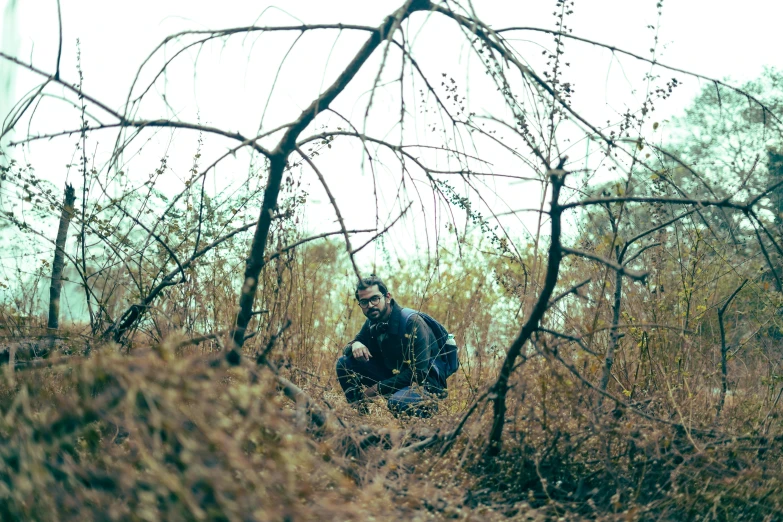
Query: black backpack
x=447, y=348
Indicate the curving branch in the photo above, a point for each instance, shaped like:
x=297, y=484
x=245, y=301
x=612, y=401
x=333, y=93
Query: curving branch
x=126, y=122
x=336, y=210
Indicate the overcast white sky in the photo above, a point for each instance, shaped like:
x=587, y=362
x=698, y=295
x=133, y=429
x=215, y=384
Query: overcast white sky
x=715, y=38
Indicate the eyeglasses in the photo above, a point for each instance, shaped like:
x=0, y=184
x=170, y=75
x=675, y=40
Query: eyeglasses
x=374, y=300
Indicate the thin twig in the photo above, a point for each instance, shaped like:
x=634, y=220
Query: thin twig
x=271, y=343
x=448, y=440
x=573, y=290
x=386, y=229
x=633, y=274
x=641, y=58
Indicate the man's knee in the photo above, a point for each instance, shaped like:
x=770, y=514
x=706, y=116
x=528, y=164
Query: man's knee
x=345, y=365
x=342, y=363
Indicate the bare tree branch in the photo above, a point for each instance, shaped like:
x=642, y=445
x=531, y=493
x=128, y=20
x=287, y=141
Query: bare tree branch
x=570, y=338
x=312, y=238
x=640, y=252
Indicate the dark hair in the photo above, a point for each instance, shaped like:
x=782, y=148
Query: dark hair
x=367, y=282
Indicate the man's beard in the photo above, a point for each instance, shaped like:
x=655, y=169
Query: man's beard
x=375, y=317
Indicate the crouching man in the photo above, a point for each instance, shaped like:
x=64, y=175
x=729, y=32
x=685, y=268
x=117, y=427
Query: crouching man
x=400, y=354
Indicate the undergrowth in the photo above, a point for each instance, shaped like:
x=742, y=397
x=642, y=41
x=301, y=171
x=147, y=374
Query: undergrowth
x=164, y=436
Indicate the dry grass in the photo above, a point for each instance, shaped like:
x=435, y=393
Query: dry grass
x=158, y=437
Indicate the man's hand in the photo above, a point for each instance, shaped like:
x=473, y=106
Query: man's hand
x=360, y=351
x=370, y=392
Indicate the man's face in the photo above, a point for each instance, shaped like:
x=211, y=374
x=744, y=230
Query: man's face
x=375, y=306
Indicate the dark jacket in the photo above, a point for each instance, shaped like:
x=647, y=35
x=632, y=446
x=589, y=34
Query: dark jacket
x=408, y=358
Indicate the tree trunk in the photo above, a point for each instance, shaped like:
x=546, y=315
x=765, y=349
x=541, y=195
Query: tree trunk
x=501, y=386
x=615, y=335
x=59, y=258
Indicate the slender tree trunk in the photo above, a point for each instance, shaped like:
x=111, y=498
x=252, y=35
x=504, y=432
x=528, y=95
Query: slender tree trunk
x=59, y=258
x=615, y=335
x=724, y=351
x=500, y=388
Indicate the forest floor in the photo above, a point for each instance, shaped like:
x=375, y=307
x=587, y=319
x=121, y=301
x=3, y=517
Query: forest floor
x=169, y=434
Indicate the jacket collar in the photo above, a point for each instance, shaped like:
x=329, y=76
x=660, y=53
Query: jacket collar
x=395, y=318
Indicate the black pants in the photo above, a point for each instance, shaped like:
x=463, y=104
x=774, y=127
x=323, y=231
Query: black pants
x=356, y=374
